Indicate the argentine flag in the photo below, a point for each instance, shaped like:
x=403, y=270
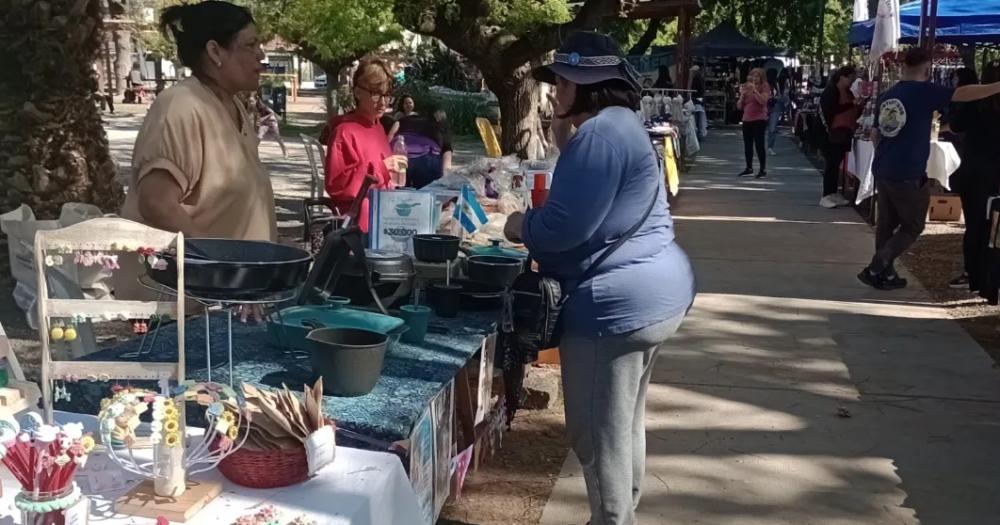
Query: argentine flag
x=468, y=211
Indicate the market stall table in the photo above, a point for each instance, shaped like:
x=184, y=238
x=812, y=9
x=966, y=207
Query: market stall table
x=361, y=487
x=942, y=162
x=411, y=377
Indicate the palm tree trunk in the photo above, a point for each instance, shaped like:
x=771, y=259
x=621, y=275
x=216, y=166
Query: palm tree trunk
x=53, y=148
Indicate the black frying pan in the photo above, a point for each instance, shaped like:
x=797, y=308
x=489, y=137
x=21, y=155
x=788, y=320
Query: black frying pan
x=235, y=268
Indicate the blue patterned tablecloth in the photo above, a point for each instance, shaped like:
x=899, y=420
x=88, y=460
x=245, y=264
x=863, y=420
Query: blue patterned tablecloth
x=411, y=377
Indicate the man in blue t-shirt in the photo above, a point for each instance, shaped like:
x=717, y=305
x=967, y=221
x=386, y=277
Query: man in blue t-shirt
x=902, y=137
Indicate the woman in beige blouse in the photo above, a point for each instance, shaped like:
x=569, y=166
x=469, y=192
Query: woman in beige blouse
x=195, y=165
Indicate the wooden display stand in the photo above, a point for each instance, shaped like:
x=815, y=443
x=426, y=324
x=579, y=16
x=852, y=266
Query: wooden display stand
x=124, y=238
x=142, y=501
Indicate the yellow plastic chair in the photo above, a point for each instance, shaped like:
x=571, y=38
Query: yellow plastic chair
x=489, y=136
x=670, y=165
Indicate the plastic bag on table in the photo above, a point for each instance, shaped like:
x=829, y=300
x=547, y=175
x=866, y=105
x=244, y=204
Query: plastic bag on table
x=510, y=202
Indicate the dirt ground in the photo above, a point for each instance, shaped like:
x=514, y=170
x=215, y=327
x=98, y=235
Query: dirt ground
x=512, y=487
x=935, y=259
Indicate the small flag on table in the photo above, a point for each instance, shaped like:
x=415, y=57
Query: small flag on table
x=468, y=211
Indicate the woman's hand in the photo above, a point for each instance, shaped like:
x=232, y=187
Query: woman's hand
x=512, y=230
x=562, y=129
x=251, y=312
x=396, y=163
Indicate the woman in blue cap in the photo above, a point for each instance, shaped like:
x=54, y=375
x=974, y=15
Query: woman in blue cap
x=608, y=185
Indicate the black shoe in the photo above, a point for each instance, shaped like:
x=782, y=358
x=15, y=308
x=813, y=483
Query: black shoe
x=761, y=174
x=960, y=283
x=893, y=282
x=874, y=280
x=747, y=172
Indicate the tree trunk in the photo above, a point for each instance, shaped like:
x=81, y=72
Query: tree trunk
x=647, y=38
x=821, y=40
x=53, y=148
x=123, y=60
x=518, y=111
x=161, y=84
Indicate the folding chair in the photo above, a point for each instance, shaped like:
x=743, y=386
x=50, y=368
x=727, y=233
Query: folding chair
x=317, y=205
x=489, y=136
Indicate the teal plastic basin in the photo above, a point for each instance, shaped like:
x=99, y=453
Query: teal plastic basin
x=294, y=324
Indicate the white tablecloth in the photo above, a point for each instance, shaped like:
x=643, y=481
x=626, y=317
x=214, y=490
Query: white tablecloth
x=942, y=162
x=359, y=488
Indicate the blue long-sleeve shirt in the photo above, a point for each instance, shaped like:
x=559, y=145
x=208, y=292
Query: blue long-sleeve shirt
x=604, y=181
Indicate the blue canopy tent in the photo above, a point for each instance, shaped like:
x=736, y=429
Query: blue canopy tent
x=958, y=22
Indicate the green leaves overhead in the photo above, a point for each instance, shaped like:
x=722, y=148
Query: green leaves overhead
x=793, y=25
x=521, y=16
x=334, y=29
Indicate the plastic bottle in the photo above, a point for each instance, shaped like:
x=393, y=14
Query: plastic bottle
x=399, y=148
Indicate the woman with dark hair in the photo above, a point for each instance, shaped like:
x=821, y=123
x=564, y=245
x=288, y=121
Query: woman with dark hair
x=978, y=178
x=195, y=167
x=358, y=143
x=406, y=107
x=607, y=187
x=755, y=95
x=195, y=164
x=777, y=105
x=663, y=78
x=428, y=146
x=840, y=114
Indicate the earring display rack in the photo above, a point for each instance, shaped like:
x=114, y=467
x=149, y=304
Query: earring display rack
x=106, y=235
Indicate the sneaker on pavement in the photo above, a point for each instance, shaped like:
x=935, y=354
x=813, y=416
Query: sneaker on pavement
x=874, y=280
x=841, y=200
x=894, y=282
x=761, y=174
x=771, y=152
x=746, y=173
x=959, y=283
x=828, y=202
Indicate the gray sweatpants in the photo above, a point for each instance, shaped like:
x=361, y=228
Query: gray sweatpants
x=604, y=385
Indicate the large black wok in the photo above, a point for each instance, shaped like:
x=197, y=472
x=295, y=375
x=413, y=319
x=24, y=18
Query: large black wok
x=235, y=269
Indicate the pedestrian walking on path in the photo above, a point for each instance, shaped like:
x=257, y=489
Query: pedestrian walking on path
x=267, y=122
x=777, y=106
x=753, y=101
x=840, y=114
x=607, y=194
x=902, y=136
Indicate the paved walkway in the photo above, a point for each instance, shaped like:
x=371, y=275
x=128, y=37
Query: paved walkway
x=742, y=417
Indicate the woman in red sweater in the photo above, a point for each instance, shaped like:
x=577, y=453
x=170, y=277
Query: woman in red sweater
x=357, y=142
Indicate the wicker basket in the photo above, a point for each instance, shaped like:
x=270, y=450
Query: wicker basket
x=266, y=469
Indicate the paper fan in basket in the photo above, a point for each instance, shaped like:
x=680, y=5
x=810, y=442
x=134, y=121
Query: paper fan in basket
x=288, y=439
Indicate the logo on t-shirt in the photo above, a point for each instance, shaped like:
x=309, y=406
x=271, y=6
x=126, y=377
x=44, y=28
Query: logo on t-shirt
x=891, y=117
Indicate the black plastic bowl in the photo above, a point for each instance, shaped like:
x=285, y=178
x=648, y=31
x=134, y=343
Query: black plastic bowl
x=349, y=359
x=235, y=268
x=493, y=269
x=435, y=248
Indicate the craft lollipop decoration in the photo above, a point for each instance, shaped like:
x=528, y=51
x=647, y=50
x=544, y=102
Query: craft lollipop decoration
x=174, y=457
x=43, y=459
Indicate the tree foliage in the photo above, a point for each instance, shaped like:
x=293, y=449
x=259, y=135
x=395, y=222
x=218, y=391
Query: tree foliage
x=628, y=32
x=778, y=23
x=503, y=38
x=330, y=33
